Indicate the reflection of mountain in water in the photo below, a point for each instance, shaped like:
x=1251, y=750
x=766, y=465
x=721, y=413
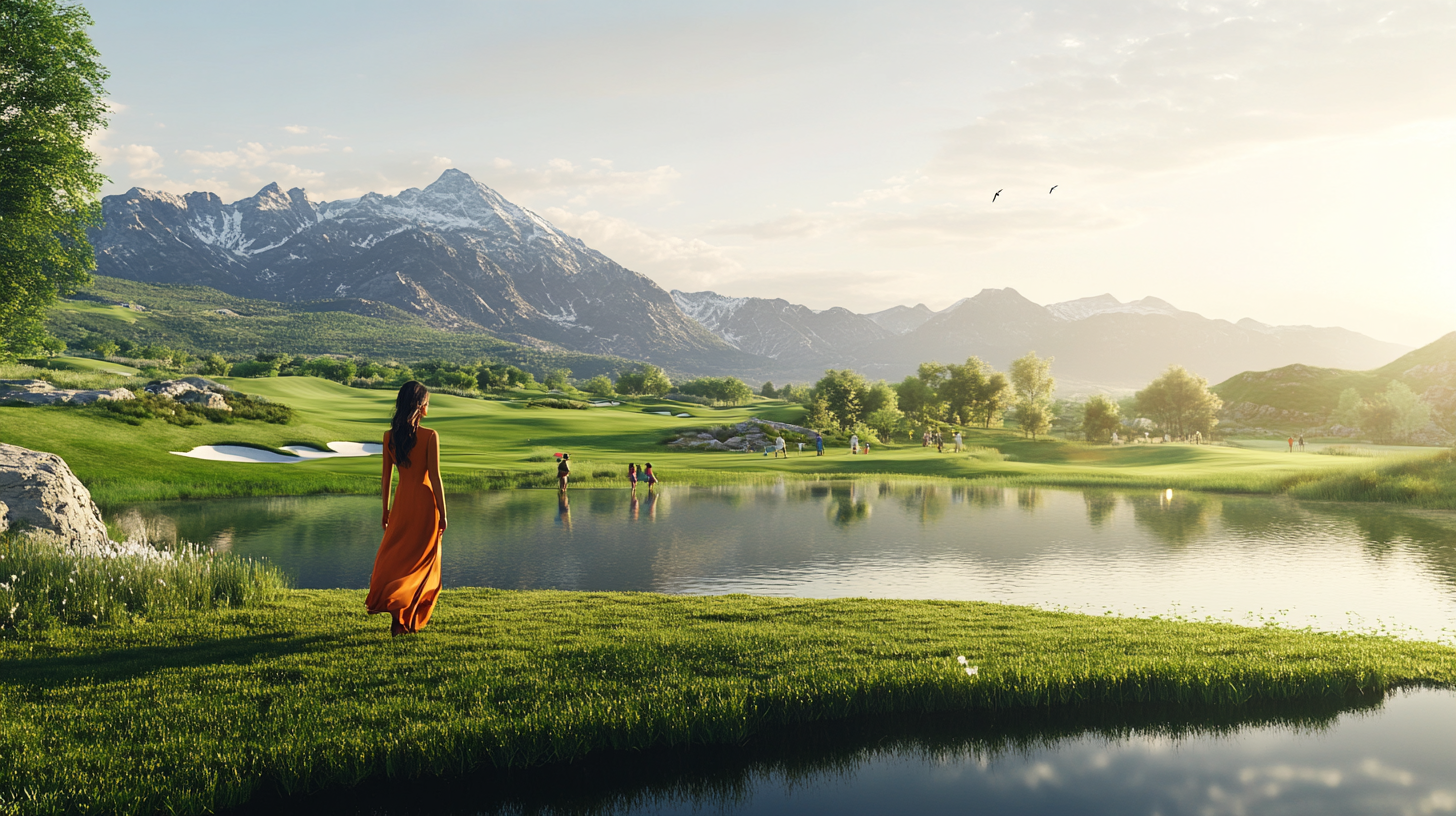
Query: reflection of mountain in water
x=715, y=778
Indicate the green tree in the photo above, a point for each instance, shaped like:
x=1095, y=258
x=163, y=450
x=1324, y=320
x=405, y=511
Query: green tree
x=1031, y=376
x=1180, y=403
x=880, y=396
x=1034, y=417
x=916, y=398
x=51, y=102
x=884, y=421
x=845, y=392
x=51, y=346
x=724, y=390
x=963, y=387
x=644, y=379
x=1411, y=414
x=556, y=379
x=216, y=366
x=1378, y=419
x=995, y=397
x=1347, y=412
x=1100, y=418
x=600, y=385
x=768, y=390
x=819, y=417
x=105, y=348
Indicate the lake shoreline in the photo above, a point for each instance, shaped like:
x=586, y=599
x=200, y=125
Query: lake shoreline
x=309, y=692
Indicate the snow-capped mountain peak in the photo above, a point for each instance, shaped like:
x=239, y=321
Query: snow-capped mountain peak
x=1083, y=308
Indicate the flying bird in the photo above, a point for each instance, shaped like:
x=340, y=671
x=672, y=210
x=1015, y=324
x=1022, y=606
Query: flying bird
x=998, y=194
x=1054, y=186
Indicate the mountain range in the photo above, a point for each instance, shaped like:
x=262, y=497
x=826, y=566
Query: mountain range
x=461, y=257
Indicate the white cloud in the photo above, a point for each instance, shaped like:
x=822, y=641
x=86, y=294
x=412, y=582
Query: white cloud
x=562, y=177
x=1166, y=85
x=670, y=260
x=295, y=128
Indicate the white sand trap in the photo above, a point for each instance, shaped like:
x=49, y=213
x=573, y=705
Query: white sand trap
x=242, y=453
x=604, y=404
x=684, y=415
x=661, y=413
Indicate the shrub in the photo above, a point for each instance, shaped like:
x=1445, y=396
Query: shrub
x=46, y=586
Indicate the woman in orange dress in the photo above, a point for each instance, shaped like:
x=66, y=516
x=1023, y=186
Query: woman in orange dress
x=406, y=578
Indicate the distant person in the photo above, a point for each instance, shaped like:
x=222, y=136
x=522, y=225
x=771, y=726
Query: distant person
x=1167, y=438
x=960, y=441
x=406, y=578
x=632, y=476
x=939, y=442
x=854, y=443
x=867, y=447
x=1301, y=443
x=1115, y=440
x=819, y=444
x=1291, y=444
x=780, y=447
x=651, y=477
x=925, y=439
x=563, y=471
x=801, y=448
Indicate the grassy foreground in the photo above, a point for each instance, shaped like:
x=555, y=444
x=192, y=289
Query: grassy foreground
x=507, y=443
x=202, y=711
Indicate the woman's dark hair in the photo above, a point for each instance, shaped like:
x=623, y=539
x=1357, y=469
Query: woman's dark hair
x=409, y=405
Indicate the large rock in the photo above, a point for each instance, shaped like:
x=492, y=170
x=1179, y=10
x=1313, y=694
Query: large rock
x=40, y=392
x=206, y=399
x=38, y=490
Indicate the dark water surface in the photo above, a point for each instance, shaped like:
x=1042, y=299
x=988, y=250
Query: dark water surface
x=1329, y=758
x=1248, y=560
x=1240, y=559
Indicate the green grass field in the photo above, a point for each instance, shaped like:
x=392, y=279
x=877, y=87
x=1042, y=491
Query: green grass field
x=191, y=713
x=503, y=442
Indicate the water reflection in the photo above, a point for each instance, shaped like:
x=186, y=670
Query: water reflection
x=1241, y=559
x=1347, y=757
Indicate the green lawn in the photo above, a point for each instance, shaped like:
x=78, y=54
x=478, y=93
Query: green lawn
x=192, y=713
x=497, y=442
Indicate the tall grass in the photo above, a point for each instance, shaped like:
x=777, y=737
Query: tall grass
x=43, y=586
x=1428, y=482
x=85, y=380
x=203, y=711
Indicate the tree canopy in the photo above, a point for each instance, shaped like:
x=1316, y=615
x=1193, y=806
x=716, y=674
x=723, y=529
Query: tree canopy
x=51, y=102
x=1180, y=403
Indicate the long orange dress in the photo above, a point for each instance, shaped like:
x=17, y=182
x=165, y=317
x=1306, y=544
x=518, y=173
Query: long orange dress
x=406, y=578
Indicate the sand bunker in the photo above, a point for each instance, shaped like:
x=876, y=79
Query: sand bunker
x=242, y=453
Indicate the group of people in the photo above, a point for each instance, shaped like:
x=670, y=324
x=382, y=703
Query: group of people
x=563, y=473
x=938, y=440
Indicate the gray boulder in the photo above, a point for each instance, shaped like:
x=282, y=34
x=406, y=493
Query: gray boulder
x=205, y=384
x=40, y=392
x=206, y=399
x=39, y=491
x=172, y=389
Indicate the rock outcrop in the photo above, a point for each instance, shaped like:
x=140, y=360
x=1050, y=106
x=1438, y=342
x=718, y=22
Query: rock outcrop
x=749, y=435
x=192, y=391
x=40, y=392
x=38, y=491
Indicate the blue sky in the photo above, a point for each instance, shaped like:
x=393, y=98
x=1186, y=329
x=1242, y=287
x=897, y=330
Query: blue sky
x=1286, y=161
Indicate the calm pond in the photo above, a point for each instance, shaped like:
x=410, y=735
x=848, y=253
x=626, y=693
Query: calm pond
x=1321, y=759
x=1242, y=559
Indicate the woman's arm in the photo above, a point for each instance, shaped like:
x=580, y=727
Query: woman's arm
x=433, y=456
x=385, y=480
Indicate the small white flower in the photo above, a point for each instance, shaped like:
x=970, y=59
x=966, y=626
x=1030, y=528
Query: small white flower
x=14, y=578
x=961, y=660
x=972, y=671
x=160, y=581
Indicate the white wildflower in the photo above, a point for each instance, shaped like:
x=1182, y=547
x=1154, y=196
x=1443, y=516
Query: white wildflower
x=961, y=660
x=160, y=581
x=14, y=578
x=972, y=671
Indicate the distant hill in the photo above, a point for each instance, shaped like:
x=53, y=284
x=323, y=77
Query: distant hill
x=203, y=320
x=1302, y=398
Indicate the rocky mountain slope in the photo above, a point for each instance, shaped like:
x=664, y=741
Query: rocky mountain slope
x=461, y=257
x=456, y=253
x=1097, y=340
x=1302, y=398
